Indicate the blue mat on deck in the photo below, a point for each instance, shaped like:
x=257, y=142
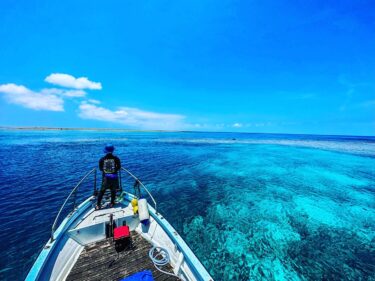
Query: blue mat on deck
x=140, y=276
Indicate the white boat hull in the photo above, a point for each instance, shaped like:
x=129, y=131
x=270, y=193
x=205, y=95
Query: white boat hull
x=86, y=226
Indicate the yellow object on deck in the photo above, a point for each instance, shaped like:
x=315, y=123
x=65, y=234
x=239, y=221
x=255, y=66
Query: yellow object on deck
x=134, y=203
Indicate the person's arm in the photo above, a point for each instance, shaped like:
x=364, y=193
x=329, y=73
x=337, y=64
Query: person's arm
x=118, y=164
x=101, y=162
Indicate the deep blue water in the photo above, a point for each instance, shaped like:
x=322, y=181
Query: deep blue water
x=251, y=206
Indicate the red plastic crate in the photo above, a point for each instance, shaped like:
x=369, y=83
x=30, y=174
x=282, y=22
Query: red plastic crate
x=121, y=232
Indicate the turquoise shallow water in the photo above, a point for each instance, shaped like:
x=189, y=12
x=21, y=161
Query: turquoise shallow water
x=252, y=207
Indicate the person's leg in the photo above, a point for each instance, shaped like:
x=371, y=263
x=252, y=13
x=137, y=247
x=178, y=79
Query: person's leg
x=101, y=192
x=100, y=197
x=114, y=186
x=113, y=195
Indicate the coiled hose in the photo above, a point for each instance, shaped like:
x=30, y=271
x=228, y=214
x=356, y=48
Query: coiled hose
x=155, y=253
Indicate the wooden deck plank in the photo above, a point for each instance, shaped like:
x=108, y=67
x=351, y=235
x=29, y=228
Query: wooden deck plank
x=100, y=261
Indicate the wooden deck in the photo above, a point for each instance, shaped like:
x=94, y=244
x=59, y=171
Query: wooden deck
x=99, y=262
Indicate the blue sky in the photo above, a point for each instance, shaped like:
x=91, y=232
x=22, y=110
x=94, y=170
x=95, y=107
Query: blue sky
x=252, y=66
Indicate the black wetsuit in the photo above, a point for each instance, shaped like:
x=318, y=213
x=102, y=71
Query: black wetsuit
x=109, y=165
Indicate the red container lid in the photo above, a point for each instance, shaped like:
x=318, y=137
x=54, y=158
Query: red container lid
x=121, y=232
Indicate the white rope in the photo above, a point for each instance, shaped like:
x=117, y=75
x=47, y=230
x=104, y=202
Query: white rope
x=154, y=253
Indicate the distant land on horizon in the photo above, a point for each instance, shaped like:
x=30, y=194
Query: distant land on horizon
x=42, y=128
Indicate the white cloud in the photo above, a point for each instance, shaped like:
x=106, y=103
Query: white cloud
x=69, y=81
x=13, y=88
x=237, y=125
x=18, y=94
x=52, y=91
x=132, y=117
x=93, y=101
x=65, y=93
x=74, y=93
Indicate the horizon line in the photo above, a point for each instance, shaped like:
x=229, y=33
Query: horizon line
x=43, y=128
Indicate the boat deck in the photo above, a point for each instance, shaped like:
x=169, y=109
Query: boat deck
x=100, y=261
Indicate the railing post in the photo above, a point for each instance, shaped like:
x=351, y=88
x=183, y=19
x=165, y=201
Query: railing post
x=144, y=187
x=74, y=199
x=120, y=179
x=137, y=190
x=95, y=190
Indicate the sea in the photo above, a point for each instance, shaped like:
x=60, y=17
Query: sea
x=250, y=206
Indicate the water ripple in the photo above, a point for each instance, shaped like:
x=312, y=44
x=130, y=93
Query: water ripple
x=252, y=207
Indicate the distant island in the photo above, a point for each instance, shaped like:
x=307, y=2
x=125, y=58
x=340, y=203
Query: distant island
x=80, y=129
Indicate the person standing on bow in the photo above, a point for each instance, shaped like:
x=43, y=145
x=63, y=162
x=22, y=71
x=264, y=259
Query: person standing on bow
x=109, y=165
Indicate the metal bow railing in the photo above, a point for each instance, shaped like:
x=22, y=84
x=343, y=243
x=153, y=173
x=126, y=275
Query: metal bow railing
x=138, y=182
x=73, y=194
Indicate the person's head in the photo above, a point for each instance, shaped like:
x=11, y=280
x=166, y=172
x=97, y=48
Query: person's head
x=109, y=148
